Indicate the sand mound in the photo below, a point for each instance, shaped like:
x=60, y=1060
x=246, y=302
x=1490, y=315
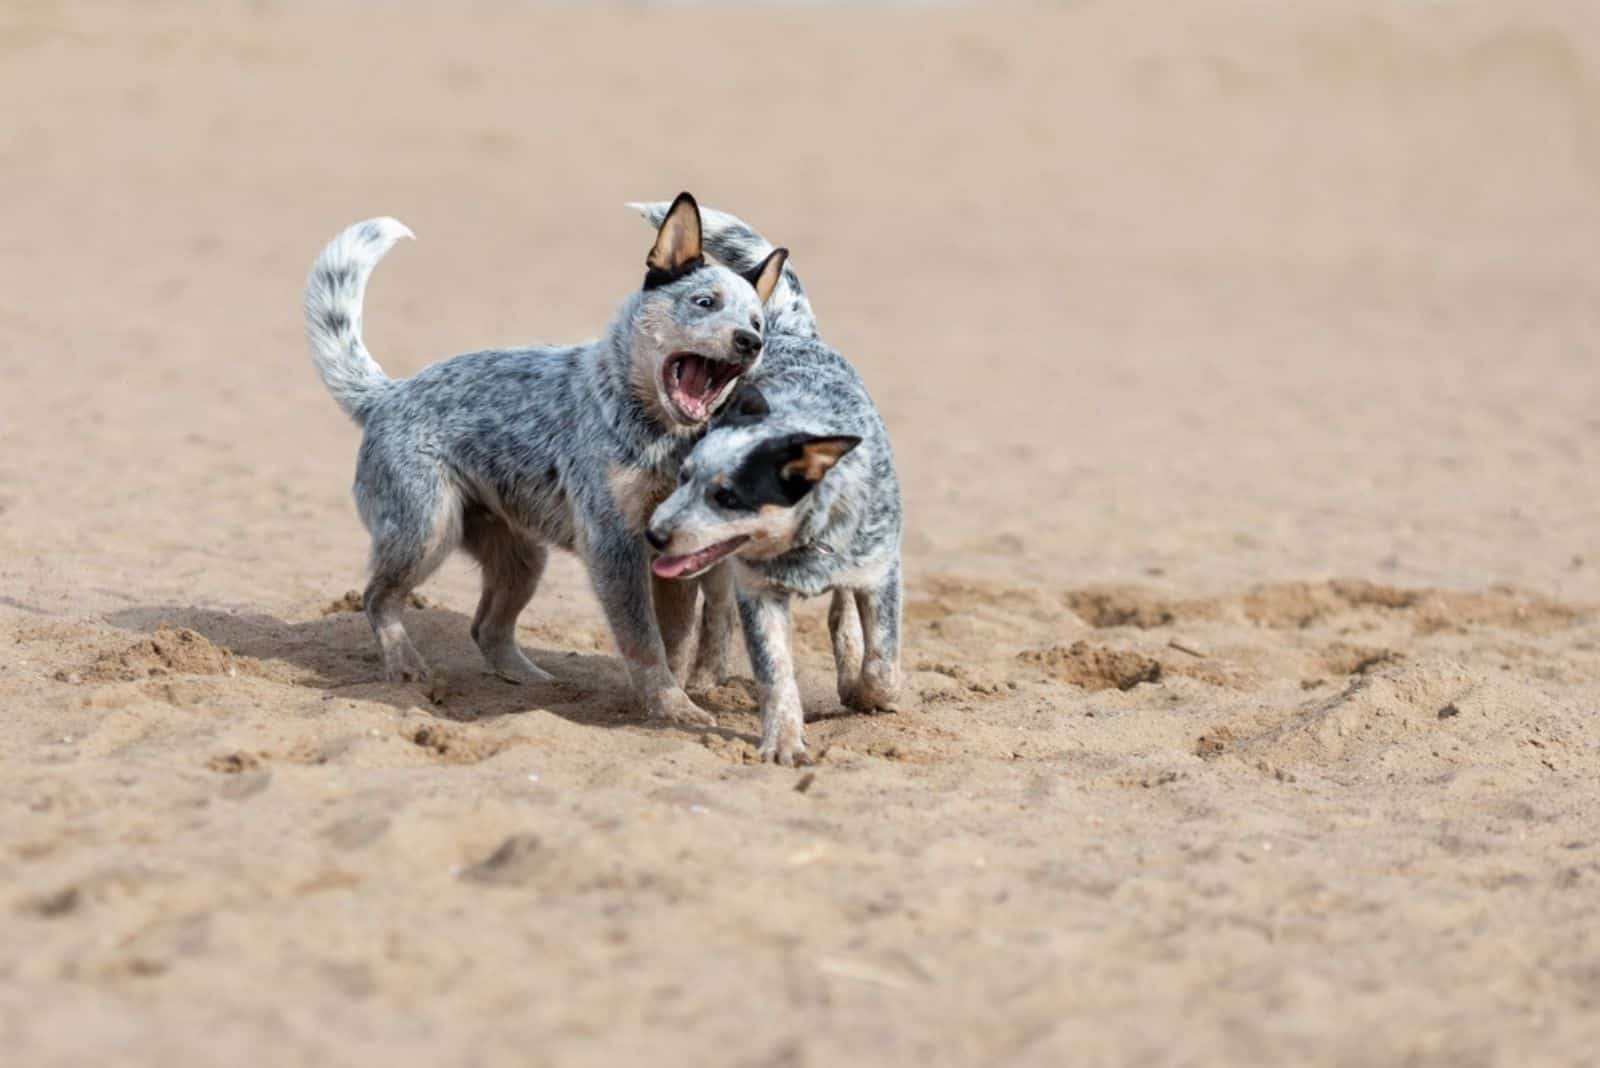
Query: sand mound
x=1095, y=667
x=1302, y=604
x=169, y=651
x=1419, y=717
x=1299, y=605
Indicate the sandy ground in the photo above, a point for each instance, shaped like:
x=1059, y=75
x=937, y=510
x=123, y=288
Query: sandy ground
x=1241, y=367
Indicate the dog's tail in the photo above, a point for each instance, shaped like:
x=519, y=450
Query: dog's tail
x=334, y=291
x=733, y=242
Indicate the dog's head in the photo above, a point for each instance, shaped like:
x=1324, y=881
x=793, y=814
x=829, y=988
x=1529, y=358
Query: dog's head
x=698, y=326
x=741, y=490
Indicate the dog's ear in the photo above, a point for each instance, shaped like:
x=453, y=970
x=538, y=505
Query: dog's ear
x=764, y=275
x=677, y=250
x=815, y=457
x=802, y=459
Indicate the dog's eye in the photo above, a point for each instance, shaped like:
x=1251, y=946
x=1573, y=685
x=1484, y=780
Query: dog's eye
x=705, y=300
x=726, y=498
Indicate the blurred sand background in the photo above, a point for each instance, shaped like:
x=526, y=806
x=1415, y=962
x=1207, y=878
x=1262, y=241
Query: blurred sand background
x=1240, y=360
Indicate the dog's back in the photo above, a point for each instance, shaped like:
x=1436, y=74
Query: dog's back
x=501, y=425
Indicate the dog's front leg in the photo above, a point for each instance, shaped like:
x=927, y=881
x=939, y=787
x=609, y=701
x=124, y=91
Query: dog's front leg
x=879, y=605
x=844, y=626
x=716, y=629
x=675, y=603
x=620, y=573
x=765, y=616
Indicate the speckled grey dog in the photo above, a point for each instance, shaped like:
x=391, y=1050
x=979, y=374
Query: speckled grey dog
x=505, y=453
x=794, y=487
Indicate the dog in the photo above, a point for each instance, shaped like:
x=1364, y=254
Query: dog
x=793, y=487
x=509, y=452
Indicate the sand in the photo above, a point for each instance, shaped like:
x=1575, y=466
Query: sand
x=1240, y=363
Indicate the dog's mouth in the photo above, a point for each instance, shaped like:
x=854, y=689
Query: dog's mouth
x=690, y=564
x=696, y=384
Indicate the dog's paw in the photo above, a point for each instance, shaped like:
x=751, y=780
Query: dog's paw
x=403, y=663
x=877, y=690
x=674, y=706
x=513, y=665
x=787, y=750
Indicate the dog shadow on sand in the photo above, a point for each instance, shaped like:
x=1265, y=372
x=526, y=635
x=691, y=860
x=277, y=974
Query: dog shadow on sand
x=337, y=655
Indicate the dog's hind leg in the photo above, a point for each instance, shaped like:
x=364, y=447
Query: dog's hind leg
x=512, y=566
x=415, y=522
x=394, y=576
x=844, y=625
x=879, y=605
x=717, y=620
x=383, y=600
x=675, y=603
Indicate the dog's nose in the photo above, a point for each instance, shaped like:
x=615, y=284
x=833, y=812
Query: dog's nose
x=657, y=540
x=746, y=343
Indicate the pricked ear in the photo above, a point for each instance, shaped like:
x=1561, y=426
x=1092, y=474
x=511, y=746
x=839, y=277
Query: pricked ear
x=811, y=458
x=677, y=250
x=764, y=275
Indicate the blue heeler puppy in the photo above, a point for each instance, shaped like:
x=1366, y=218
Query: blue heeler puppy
x=507, y=452
x=794, y=487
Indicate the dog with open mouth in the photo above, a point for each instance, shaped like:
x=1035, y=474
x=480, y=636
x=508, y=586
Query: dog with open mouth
x=509, y=452
x=793, y=489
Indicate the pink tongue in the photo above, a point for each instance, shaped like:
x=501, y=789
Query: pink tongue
x=673, y=566
x=692, y=377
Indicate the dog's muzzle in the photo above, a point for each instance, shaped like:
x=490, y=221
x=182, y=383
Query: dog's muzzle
x=746, y=345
